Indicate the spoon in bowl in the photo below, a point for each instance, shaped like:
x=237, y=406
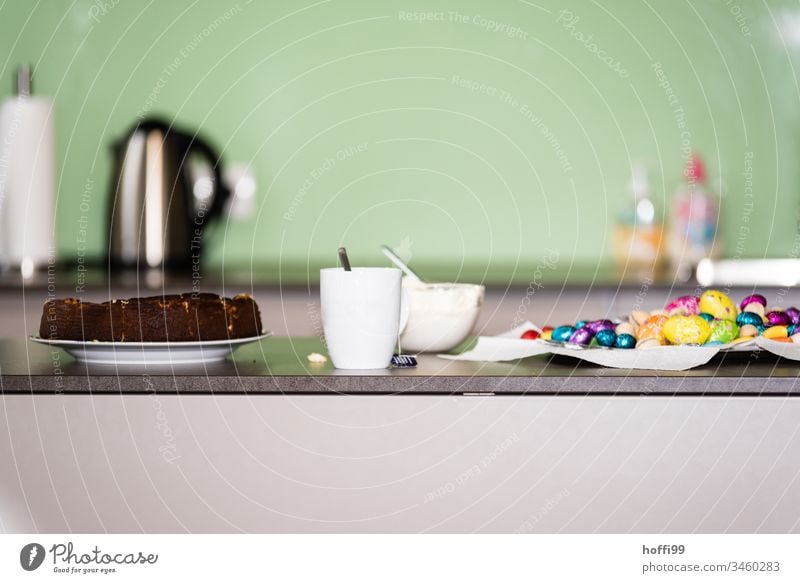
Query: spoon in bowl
x=401, y=264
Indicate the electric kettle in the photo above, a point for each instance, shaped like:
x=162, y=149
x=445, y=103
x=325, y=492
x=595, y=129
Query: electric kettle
x=156, y=215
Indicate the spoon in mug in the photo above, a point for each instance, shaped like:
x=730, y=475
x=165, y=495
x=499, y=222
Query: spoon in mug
x=343, y=259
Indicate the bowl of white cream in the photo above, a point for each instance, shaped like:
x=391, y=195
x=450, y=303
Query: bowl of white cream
x=440, y=315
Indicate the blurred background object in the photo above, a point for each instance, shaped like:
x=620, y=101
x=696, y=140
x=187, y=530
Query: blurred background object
x=508, y=131
x=27, y=178
x=159, y=212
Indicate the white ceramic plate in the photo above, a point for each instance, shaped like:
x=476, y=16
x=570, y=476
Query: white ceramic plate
x=143, y=353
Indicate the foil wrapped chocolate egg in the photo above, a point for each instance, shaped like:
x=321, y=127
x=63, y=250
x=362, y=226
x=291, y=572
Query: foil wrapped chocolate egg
x=562, y=333
x=686, y=330
x=606, y=337
x=684, y=306
x=794, y=315
x=717, y=304
x=723, y=331
x=580, y=324
x=598, y=325
x=776, y=318
x=652, y=329
x=625, y=341
x=750, y=318
x=582, y=336
x=754, y=298
x=707, y=317
x=775, y=332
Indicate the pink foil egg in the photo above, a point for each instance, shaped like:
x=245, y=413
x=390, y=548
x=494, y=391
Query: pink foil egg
x=778, y=319
x=757, y=298
x=684, y=306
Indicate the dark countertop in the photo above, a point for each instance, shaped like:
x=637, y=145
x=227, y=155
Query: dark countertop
x=72, y=279
x=279, y=366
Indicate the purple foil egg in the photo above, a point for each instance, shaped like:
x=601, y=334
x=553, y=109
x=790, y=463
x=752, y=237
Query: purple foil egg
x=684, y=305
x=757, y=298
x=598, y=325
x=778, y=319
x=581, y=336
x=794, y=315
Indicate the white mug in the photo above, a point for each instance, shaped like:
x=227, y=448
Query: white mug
x=360, y=315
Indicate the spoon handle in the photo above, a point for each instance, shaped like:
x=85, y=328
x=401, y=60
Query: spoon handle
x=344, y=260
x=400, y=263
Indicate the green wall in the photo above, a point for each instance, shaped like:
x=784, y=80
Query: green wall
x=464, y=145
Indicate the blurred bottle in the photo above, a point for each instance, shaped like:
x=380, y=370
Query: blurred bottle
x=638, y=232
x=693, y=221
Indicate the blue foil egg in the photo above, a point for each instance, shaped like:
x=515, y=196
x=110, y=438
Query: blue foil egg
x=562, y=333
x=761, y=328
x=580, y=324
x=582, y=336
x=625, y=341
x=749, y=318
x=707, y=317
x=607, y=338
x=791, y=328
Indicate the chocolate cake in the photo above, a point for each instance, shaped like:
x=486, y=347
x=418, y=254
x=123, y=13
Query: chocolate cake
x=175, y=318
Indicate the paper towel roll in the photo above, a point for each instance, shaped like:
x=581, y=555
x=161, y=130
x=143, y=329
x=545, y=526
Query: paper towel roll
x=27, y=181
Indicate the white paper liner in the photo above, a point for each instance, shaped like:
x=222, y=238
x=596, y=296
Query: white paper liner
x=673, y=358
x=509, y=346
x=505, y=346
x=788, y=350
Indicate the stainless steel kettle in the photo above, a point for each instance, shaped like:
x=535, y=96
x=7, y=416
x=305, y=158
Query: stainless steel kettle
x=156, y=219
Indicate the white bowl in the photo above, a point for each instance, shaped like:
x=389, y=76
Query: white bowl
x=440, y=315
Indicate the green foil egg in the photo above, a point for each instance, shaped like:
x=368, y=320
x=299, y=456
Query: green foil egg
x=723, y=331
